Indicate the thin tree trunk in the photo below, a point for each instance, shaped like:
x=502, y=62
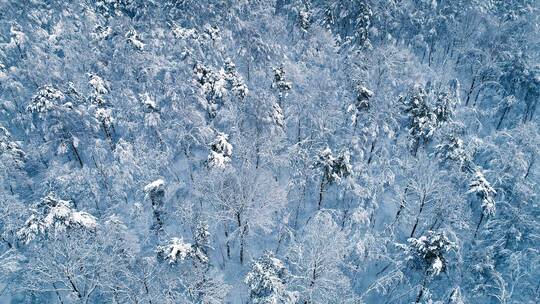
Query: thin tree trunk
x=421, y=293
x=227, y=245
x=76, y=153
x=146, y=289
x=401, y=204
x=418, y=215
x=529, y=168
x=478, y=226
x=57, y=294
x=371, y=151
x=321, y=192
x=502, y=117
x=243, y=243
x=470, y=91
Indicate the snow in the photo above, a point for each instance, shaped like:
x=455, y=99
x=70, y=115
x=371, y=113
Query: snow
x=218, y=160
x=277, y=115
x=46, y=99
x=437, y=266
x=149, y=102
x=104, y=115
x=184, y=33
x=134, y=39
x=482, y=188
x=176, y=250
x=53, y=215
x=221, y=152
x=84, y=219
x=155, y=185
x=235, y=116
x=99, y=85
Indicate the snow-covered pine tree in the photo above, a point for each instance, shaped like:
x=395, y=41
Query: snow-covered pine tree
x=267, y=281
x=334, y=169
x=216, y=86
x=60, y=122
x=280, y=84
x=304, y=17
x=201, y=245
x=485, y=192
x=422, y=121
x=453, y=149
x=363, y=25
x=276, y=115
x=235, y=82
x=133, y=38
x=427, y=253
x=175, y=251
x=220, y=151
x=10, y=148
x=363, y=96
x=102, y=113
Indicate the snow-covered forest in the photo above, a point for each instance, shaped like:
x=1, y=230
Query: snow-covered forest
x=269, y=151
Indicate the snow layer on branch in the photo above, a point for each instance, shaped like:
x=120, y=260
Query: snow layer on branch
x=482, y=188
x=154, y=186
x=53, y=215
x=98, y=84
x=221, y=151
x=46, y=99
x=176, y=250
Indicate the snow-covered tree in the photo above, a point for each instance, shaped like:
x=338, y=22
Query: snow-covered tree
x=155, y=191
x=216, y=86
x=485, y=192
x=100, y=98
x=280, y=84
x=59, y=124
x=422, y=121
x=276, y=115
x=102, y=112
x=235, y=82
x=267, y=281
x=47, y=98
x=52, y=216
x=10, y=149
x=427, y=110
x=316, y=259
x=220, y=151
x=362, y=103
x=334, y=169
x=453, y=149
x=427, y=253
x=176, y=250
x=134, y=39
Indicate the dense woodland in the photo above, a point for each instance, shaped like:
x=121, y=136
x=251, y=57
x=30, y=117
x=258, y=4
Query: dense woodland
x=269, y=151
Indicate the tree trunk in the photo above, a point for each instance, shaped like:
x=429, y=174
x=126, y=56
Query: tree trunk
x=57, y=294
x=227, y=245
x=502, y=117
x=371, y=151
x=415, y=147
x=478, y=226
x=157, y=215
x=529, y=168
x=243, y=243
x=76, y=153
x=421, y=293
x=321, y=192
x=418, y=215
x=470, y=91
x=401, y=204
